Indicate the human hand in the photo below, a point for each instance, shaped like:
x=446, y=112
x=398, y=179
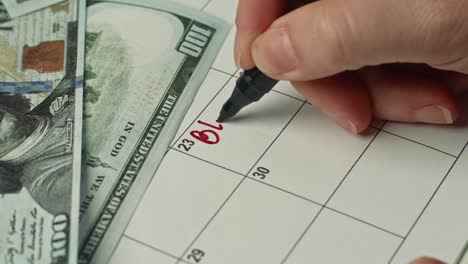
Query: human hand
x=426, y=260
x=354, y=60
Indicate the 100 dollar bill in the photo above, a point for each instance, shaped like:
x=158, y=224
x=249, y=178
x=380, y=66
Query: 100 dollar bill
x=41, y=69
x=463, y=258
x=21, y=7
x=145, y=61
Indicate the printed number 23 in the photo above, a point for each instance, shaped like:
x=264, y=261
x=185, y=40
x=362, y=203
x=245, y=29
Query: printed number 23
x=186, y=145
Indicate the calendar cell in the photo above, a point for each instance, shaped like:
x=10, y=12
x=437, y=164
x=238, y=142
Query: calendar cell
x=130, y=251
x=223, y=8
x=449, y=139
x=335, y=238
x=213, y=83
x=441, y=226
x=286, y=88
x=320, y=156
x=393, y=193
x=225, y=60
x=257, y=225
x=177, y=205
x=238, y=143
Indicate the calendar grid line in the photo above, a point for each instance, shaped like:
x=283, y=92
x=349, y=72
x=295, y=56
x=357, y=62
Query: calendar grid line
x=203, y=110
x=181, y=258
x=463, y=149
x=225, y=72
x=285, y=191
x=381, y=129
x=276, y=138
x=365, y=222
x=425, y=207
x=378, y=130
x=302, y=236
x=237, y=187
x=293, y=194
x=209, y=162
x=285, y=94
x=419, y=143
x=234, y=76
x=225, y=203
x=270, y=191
x=188, y=127
x=153, y=248
x=328, y=200
x=206, y=4
x=249, y=177
x=383, y=123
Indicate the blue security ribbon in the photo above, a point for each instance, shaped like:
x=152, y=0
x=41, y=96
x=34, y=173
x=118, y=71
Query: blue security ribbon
x=34, y=87
x=26, y=87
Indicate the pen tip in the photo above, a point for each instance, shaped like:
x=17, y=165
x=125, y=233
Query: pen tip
x=219, y=120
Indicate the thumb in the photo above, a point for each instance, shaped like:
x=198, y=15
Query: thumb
x=328, y=37
x=426, y=260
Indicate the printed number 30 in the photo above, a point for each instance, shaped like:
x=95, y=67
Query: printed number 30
x=261, y=173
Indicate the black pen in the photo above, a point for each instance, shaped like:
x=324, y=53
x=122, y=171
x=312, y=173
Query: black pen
x=250, y=87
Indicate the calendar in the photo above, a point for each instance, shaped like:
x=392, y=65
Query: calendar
x=281, y=183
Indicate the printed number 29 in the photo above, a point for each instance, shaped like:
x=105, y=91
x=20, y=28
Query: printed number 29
x=261, y=173
x=196, y=255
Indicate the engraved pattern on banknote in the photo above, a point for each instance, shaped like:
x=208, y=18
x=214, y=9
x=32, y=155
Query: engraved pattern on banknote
x=40, y=108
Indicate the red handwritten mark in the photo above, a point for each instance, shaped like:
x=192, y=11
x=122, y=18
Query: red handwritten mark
x=207, y=136
x=204, y=136
x=219, y=127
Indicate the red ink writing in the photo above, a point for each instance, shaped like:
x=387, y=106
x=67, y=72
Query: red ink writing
x=204, y=136
x=207, y=136
x=219, y=127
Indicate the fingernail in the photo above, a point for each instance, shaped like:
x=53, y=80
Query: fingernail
x=273, y=51
x=346, y=124
x=352, y=127
x=435, y=114
x=238, y=60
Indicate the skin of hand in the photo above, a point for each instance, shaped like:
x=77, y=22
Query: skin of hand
x=356, y=60
x=426, y=260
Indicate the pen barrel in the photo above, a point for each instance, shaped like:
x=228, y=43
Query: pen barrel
x=254, y=84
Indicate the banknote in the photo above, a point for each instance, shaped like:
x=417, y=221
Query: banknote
x=17, y=8
x=41, y=69
x=145, y=61
x=4, y=16
x=463, y=258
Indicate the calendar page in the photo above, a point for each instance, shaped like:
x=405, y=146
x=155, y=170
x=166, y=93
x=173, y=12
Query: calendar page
x=281, y=183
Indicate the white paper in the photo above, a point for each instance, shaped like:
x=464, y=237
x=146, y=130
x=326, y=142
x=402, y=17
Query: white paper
x=388, y=196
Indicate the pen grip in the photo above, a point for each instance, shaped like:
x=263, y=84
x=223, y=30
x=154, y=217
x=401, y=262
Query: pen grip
x=258, y=81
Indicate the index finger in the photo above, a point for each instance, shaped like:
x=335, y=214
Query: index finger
x=253, y=18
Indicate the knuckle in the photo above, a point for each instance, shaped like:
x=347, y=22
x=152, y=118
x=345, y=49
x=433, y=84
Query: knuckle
x=443, y=23
x=444, y=30
x=337, y=32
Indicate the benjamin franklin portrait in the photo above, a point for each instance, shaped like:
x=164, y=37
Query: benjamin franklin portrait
x=35, y=150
